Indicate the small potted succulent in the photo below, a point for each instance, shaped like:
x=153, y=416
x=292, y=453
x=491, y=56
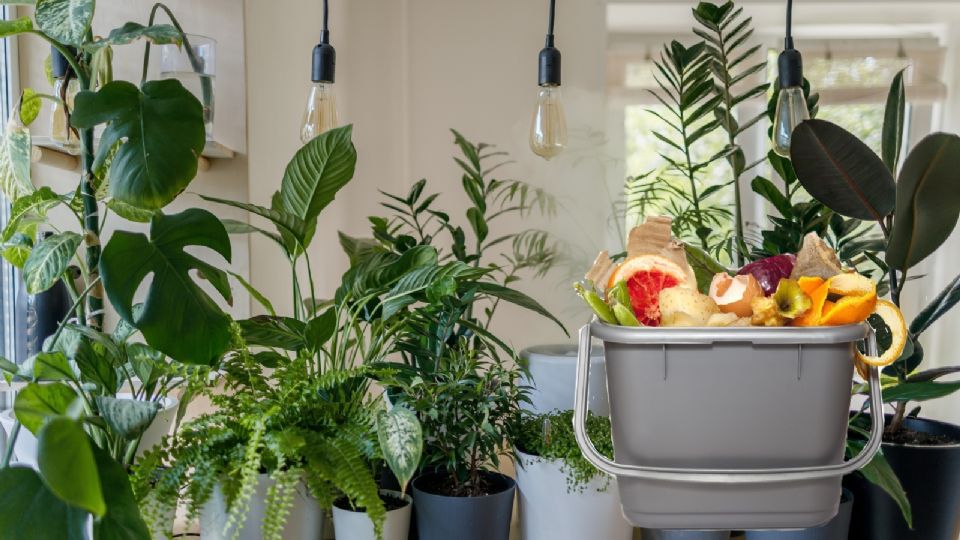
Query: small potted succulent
x=560, y=494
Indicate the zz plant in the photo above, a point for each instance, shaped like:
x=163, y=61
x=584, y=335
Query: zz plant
x=152, y=136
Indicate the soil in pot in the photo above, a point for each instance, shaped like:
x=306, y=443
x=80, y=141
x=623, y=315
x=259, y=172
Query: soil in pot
x=929, y=474
x=480, y=517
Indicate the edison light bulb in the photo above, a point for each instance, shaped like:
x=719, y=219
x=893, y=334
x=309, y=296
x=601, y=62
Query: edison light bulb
x=548, y=130
x=791, y=110
x=321, y=112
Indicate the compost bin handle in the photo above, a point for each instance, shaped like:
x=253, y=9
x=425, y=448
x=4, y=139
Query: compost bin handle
x=720, y=476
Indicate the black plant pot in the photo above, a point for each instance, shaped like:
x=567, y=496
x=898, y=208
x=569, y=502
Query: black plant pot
x=835, y=529
x=931, y=477
x=464, y=518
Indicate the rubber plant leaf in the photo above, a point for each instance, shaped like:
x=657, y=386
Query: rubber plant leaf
x=177, y=318
x=879, y=472
x=315, y=175
x=66, y=21
x=28, y=509
x=841, y=172
x=66, y=463
x=937, y=307
x=162, y=133
x=928, y=200
x=893, y=123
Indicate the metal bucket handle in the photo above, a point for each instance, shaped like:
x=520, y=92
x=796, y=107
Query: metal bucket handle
x=720, y=476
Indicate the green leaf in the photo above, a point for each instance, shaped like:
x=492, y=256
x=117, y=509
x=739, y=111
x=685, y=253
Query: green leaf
x=15, y=179
x=940, y=305
x=29, y=210
x=67, y=465
x=178, y=317
x=28, y=509
x=928, y=200
x=841, y=172
x=130, y=212
x=15, y=26
x=320, y=329
x=283, y=220
x=254, y=293
x=122, y=520
x=477, y=223
x=401, y=441
x=66, y=21
x=357, y=248
x=38, y=402
x=516, y=298
x=893, y=123
x=47, y=366
x=766, y=189
x=276, y=332
x=49, y=260
x=48, y=70
x=29, y=106
x=158, y=34
x=17, y=250
x=315, y=175
x=128, y=418
x=878, y=472
x=704, y=266
x=163, y=135
x=919, y=391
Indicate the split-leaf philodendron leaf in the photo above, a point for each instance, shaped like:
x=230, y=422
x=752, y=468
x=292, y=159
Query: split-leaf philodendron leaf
x=178, y=318
x=161, y=126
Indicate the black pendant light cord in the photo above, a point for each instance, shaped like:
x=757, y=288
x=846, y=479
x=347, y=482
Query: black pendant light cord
x=788, y=40
x=324, y=56
x=549, y=73
x=553, y=9
x=325, y=33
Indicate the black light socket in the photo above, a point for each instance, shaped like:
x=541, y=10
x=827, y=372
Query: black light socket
x=790, y=64
x=549, y=73
x=324, y=60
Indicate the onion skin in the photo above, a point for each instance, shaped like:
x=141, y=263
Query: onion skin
x=770, y=271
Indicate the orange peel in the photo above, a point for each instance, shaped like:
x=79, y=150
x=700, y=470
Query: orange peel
x=818, y=290
x=892, y=317
x=842, y=299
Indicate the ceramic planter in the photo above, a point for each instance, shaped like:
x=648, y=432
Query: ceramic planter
x=837, y=528
x=931, y=477
x=352, y=525
x=552, y=373
x=465, y=518
x=25, y=449
x=658, y=534
x=550, y=511
x=304, y=522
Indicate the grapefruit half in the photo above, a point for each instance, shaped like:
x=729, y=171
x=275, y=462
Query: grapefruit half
x=646, y=276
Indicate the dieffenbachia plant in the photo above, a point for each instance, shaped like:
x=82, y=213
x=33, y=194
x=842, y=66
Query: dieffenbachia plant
x=152, y=136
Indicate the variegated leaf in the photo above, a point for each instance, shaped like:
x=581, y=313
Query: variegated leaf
x=401, y=441
x=15, y=180
x=15, y=26
x=127, y=417
x=66, y=21
x=49, y=260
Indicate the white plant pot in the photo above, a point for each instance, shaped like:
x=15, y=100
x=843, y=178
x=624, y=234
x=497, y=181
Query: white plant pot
x=548, y=511
x=161, y=526
x=350, y=525
x=553, y=372
x=304, y=522
x=25, y=449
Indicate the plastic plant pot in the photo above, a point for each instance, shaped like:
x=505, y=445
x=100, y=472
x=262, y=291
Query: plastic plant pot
x=732, y=428
x=352, y=525
x=666, y=534
x=305, y=521
x=553, y=370
x=836, y=529
x=487, y=517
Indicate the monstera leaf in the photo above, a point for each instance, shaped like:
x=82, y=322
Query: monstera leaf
x=842, y=172
x=162, y=134
x=66, y=21
x=178, y=318
x=315, y=175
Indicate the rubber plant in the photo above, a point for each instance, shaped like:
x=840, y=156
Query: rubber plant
x=917, y=212
x=153, y=134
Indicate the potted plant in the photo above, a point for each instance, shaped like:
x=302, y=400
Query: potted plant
x=152, y=134
x=916, y=214
x=560, y=494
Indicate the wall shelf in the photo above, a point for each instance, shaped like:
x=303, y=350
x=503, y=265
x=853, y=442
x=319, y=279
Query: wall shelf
x=46, y=151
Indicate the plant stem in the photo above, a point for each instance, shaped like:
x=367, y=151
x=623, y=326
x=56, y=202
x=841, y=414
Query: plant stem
x=732, y=141
x=11, y=441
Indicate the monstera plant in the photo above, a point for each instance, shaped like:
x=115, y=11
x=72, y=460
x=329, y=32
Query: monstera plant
x=152, y=136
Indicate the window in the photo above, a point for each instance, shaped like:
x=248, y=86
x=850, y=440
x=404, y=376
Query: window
x=10, y=315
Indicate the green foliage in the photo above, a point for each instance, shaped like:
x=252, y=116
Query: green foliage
x=178, y=317
x=550, y=436
x=66, y=21
x=31, y=510
x=49, y=260
x=401, y=439
x=161, y=129
x=72, y=475
x=38, y=402
x=158, y=34
x=893, y=123
x=15, y=180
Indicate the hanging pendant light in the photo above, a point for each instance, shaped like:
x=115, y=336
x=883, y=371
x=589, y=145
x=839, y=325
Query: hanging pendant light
x=791, y=104
x=321, y=112
x=548, y=129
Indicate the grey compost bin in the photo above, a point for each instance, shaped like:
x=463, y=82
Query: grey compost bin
x=727, y=428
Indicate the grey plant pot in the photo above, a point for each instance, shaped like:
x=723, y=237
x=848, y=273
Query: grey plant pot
x=464, y=518
x=837, y=528
x=669, y=534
